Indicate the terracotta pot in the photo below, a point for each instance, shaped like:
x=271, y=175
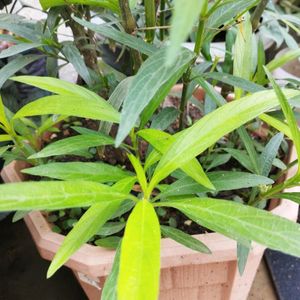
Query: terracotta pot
x=185, y=274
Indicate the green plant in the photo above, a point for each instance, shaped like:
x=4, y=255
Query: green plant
x=184, y=157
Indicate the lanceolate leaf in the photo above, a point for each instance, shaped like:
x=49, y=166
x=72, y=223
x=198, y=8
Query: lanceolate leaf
x=184, y=18
x=291, y=196
x=120, y=37
x=140, y=255
x=242, y=223
x=211, y=128
x=277, y=124
x=116, y=100
x=140, y=173
x=242, y=63
x=72, y=144
x=17, y=49
x=161, y=141
x=53, y=195
x=146, y=85
x=70, y=106
x=109, y=4
x=242, y=157
x=99, y=172
x=184, y=239
x=242, y=256
x=283, y=59
x=225, y=13
x=222, y=181
x=109, y=291
x=270, y=152
x=16, y=65
x=234, y=81
x=88, y=225
x=289, y=115
x=57, y=86
x=73, y=55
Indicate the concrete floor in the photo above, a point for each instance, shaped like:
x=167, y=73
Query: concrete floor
x=262, y=288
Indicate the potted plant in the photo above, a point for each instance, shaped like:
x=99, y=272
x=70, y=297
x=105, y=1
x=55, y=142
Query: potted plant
x=169, y=182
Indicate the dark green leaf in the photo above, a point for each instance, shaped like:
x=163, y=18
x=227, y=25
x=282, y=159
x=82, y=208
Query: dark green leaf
x=184, y=239
x=99, y=172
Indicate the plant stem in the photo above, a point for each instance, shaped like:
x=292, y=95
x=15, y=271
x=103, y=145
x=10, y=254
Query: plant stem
x=129, y=25
x=81, y=39
x=162, y=19
x=150, y=12
x=259, y=10
x=187, y=75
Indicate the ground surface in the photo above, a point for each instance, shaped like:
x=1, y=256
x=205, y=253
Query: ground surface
x=23, y=272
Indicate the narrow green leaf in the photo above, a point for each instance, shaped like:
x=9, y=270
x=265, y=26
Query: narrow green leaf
x=110, y=228
x=222, y=181
x=277, y=124
x=235, y=81
x=57, y=86
x=70, y=106
x=242, y=223
x=72, y=54
x=225, y=13
x=242, y=157
x=269, y=154
x=21, y=26
x=291, y=196
x=99, y=172
x=140, y=255
x=16, y=65
x=218, y=160
x=289, y=115
x=161, y=141
x=3, y=117
x=116, y=100
x=88, y=225
x=165, y=118
x=109, y=4
x=55, y=195
x=5, y=138
x=71, y=144
x=17, y=49
x=242, y=256
x=184, y=18
x=283, y=59
x=184, y=239
x=119, y=36
x=242, y=62
x=146, y=85
x=111, y=242
x=211, y=128
x=109, y=291
x=141, y=176
x=248, y=143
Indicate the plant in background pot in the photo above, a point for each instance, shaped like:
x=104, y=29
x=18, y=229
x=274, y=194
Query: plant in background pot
x=161, y=182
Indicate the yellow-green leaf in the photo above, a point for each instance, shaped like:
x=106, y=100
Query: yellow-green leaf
x=140, y=255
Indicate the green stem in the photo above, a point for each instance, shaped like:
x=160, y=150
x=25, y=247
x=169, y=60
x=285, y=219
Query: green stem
x=162, y=19
x=259, y=10
x=150, y=13
x=129, y=25
x=187, y=75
